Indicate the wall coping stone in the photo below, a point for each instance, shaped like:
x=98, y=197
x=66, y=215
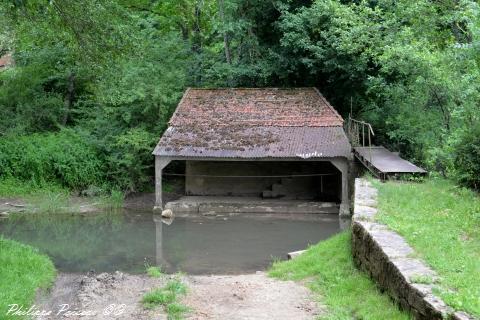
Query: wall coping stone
x=390, y=261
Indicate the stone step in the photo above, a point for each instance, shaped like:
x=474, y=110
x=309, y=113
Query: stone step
x=247, y=205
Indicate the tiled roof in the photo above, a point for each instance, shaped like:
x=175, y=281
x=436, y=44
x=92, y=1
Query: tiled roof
x=258, y=142
x=254, y=123
x=295, y=107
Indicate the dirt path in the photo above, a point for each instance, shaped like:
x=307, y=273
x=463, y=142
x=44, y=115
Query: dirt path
x=253, y=296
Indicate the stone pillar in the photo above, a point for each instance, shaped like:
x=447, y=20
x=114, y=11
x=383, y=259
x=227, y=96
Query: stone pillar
x=342, y=166
x=160, y=163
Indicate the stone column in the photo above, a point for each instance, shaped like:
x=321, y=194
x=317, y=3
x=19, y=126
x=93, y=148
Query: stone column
x=160, y=163
x=342, y=166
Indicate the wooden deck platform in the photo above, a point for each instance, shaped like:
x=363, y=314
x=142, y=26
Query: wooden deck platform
x=385, y=164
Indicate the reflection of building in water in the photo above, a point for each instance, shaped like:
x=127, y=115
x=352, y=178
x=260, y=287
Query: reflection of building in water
x=158, y=239
x=235, y=244
x=171, y=243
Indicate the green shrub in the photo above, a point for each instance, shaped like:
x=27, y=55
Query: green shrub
x=64, y=157
x=154, y=272
x=467, y=158
x=12, y=187
x=129, y=159
x=158, y=297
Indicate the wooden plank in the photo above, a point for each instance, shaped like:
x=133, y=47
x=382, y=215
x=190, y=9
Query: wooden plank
x=382, y=162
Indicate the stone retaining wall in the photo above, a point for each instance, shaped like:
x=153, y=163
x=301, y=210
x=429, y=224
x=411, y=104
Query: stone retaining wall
x=388, y=259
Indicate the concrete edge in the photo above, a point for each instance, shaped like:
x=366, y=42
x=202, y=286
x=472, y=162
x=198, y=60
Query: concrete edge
x=389, y=260
x=193, y=205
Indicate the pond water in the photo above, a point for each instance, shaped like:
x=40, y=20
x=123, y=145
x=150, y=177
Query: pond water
x=130, y=241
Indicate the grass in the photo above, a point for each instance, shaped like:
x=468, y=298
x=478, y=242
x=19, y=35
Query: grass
x=112, y=202
x=52, y=198
x=49, y=202
x=167, y=297
x=442, y=222
x=154, y=272
x=40, y=197
x=422, y=279
x=158, y=297
x=329, y=271
x=22, y=271
x=11, y=187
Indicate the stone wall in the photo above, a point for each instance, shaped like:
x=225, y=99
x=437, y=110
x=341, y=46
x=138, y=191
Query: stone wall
x=389, y=260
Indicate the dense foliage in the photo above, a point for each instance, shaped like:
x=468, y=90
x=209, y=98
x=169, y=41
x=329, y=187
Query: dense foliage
x=63, y=157
x=112, y=71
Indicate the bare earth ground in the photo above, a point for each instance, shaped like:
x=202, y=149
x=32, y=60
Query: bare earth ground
x=252, y=296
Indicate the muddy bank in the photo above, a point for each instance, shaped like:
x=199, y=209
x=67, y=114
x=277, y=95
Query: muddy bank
x=143, y=201
x=118, y=295
x=103, y=296
x=84, y=205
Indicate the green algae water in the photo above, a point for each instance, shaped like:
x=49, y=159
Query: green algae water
x=132, y=241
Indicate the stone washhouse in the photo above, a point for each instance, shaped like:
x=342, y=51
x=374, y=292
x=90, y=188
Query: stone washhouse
x=257, y=150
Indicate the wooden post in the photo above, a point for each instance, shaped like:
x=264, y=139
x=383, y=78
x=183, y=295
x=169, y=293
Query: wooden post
x=363, y=135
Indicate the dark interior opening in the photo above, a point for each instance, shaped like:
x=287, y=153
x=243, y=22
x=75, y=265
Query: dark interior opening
x=299, y=180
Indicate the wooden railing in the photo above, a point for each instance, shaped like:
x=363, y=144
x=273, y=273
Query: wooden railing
x=359, y=133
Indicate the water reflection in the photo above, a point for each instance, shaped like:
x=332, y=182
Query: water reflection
x=198, y=245
x=236, y=244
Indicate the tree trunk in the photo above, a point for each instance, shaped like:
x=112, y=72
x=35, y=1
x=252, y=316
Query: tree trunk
x=197, y=37
x=197, y=42
x=69, y=97
x=226, y=40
